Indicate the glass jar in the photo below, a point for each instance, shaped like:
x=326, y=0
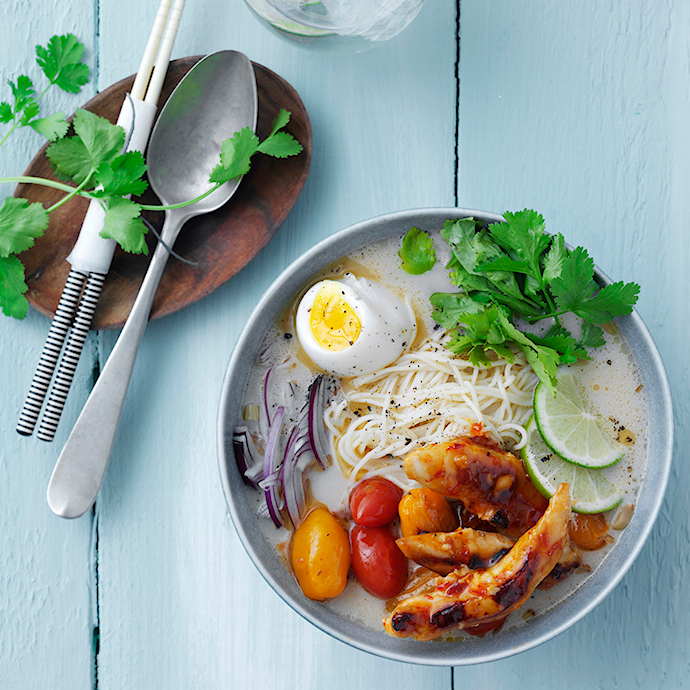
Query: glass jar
x=336, y=25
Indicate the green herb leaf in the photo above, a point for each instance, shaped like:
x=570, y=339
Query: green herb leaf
x=5, y=113
x=281, y=120
x=591, y=336
x=123, y=176
x=20, y=223
x=23, y=92
x=97, y=142
x=235, y=156
x=13, y=287
x=417, y=252
x=522, y=235
x=613, y=300
x=576, y=282
x=554, y=258
x=123, y=223
x=61, y=62
x=53, y=127
x=280, y=145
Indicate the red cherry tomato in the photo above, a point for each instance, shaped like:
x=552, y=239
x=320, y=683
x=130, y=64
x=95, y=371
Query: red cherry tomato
x=377, y=561
x=374, y=502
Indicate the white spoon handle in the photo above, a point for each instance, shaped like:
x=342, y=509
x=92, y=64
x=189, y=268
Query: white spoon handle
x=79, y=471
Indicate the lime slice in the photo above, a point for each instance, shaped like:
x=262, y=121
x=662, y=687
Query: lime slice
x=575, y=433
x=591, y=492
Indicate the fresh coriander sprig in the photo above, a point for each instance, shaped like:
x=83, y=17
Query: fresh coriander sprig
x=61, y=63
x=514, y=270
x=91, y=160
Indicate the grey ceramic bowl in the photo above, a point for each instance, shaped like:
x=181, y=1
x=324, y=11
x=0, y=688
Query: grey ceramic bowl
x=492, y=647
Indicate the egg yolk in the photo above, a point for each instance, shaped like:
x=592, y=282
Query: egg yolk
x=333, y=321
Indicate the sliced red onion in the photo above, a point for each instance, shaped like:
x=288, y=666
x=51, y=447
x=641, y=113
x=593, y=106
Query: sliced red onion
x=266, y=409
x=247, y=455
x=315, y=412
x=271, y=481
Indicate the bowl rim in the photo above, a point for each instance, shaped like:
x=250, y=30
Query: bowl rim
x=513, y=641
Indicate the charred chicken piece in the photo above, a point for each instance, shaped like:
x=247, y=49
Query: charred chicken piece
x=444, y=552
x=490, y=483
x=570, y=560
x=463, y=600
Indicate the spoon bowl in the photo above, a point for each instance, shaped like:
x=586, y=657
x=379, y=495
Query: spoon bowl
x=216, y=98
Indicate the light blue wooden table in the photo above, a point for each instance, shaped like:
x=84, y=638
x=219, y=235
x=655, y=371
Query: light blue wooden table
x=578, y=109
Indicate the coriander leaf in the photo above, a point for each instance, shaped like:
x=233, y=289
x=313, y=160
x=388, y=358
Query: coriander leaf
x=123, y=224
x=553, y=259
x=613, y=300
x=53, y=127
x=20, y=223
x=459, y=234
x=235, y=156
x=280, y=145
x=5, y=112
x=458, y=343
x=591, y=336
x=477, y=357
x=563, y=342
x=97, y=142
x=122, y=176
x=281, y=120
x=522, y=234
x=469, y=281
x=417, y=252
x=504, y=263
x=576, y=282
x=452, y=309
x=13, y=287
x=61, y=62
x=30, y=111
x=544, y=360
x=23, y=92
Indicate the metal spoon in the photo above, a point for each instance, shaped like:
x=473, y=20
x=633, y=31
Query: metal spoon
x=215, y=99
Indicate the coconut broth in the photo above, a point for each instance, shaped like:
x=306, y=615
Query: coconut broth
x=610, y=382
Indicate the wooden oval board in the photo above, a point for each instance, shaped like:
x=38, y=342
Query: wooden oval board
x=220, y=243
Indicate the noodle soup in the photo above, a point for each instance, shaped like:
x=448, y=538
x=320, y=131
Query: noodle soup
x=427, y=395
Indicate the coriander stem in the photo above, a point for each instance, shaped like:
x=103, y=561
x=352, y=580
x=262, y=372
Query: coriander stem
x=16, y=124
x=551, y=315
x=42, y=181
x=72, y=194
x=148, y=207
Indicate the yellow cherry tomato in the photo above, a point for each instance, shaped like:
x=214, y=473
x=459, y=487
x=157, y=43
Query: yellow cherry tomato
x=424, y=510
x=321, y=555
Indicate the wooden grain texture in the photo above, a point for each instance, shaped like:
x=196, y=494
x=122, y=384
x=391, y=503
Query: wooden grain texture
x=181, y=605
x=581, y=110
x=47, y=609
x=219, y=244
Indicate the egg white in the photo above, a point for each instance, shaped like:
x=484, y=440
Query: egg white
x=388, y=327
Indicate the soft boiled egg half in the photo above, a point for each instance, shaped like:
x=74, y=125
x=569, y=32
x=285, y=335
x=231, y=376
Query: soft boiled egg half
x=353, y=326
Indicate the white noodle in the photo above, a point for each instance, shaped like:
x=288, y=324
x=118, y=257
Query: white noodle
x=426, y=396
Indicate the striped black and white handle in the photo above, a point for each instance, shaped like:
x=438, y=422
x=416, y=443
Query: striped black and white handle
x=51, y=352
x=70, y=358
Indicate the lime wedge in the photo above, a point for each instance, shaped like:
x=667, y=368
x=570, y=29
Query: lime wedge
x=575, y=433
x=591, y=492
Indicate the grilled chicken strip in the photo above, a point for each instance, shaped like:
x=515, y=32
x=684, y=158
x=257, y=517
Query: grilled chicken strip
x=491, y=483
x=463, y=600
x=444, y=552
x=569, y=561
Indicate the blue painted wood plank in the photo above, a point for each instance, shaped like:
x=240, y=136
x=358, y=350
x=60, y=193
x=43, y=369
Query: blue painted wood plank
x=46, y=577
x=581, y=111
x=179, y=599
